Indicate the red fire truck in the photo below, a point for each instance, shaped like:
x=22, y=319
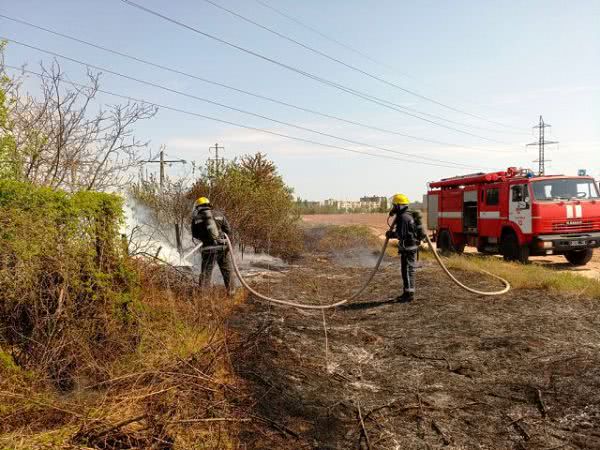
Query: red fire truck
x=516, y=214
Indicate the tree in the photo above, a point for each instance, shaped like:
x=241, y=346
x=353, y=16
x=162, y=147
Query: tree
x=258, y=204
x=258, y=167
x=7, y=142
x=61, y=142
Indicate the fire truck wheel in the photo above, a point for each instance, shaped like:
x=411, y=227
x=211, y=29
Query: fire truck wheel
x=512, y=250
x=580, y=257
x=445, y=245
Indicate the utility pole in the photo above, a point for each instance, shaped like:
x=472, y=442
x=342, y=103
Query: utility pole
x=541, y=143
x=215, y=164
x=162, y=162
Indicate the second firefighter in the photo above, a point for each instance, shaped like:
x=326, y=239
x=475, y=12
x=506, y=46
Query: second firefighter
x=407, y=227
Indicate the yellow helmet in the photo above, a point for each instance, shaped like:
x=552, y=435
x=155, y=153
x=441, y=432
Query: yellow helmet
x=202, y=201
x=400, y=199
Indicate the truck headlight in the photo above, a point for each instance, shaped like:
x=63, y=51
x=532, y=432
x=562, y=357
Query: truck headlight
x=545, y=244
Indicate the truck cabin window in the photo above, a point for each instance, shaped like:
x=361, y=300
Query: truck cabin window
x=564, y=189
x=520, y=193
x=491, y=197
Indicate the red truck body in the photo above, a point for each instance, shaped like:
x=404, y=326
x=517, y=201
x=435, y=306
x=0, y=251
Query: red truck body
x=516, y=214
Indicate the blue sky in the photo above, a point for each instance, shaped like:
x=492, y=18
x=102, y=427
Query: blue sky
x=507, y=61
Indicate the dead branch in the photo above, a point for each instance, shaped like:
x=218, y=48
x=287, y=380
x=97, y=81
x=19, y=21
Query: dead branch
x=540, y=402
x=121, y=424
x=212, y=419
x=516, y=423
x=362, y=425
x=439, y=430
x=277, y=425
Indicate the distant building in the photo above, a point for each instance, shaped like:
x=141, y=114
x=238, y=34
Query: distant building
x=310, y=203
x=349, y=205
x=374, y=202
x=364, y=204
x=373, y=199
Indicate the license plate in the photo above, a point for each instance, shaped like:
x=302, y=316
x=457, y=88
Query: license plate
x=577, y=243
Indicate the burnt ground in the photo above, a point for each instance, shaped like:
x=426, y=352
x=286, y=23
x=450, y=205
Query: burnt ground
x=449, y=370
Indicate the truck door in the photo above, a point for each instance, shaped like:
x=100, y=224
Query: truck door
x=519, y=207
x=490, y=198
x=470, y=211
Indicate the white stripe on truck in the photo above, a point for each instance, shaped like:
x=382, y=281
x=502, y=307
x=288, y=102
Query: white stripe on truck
x=569, y=211
x=489, y=215
x=451, y=214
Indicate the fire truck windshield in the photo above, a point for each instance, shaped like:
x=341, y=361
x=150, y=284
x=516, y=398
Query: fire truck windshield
x=564, y=189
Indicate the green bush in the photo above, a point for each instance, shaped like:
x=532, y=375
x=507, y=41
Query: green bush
x=258, y=204
x=65, y=286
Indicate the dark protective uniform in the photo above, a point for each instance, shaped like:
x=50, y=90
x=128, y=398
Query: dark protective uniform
x=408, y=229
x=208, y=226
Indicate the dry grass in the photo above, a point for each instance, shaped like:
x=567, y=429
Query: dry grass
x=375, y=221
x=449, y=370
x=335, y=238
x=525, y=276
x=176, y=390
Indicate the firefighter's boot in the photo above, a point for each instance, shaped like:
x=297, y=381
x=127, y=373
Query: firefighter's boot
x=406, y=297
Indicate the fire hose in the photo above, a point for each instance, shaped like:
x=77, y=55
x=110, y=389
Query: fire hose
x=368, y=281
x=303, y=305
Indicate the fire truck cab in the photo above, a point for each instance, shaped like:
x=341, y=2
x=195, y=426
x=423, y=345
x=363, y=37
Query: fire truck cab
x=516, y=214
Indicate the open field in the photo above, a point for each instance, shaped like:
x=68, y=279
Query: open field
x=377, y=222
x=449, y=370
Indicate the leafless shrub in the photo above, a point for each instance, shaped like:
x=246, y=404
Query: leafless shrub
x=63, y=142
x=167, y=212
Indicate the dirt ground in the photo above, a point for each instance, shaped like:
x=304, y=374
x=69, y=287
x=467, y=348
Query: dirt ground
x=377, y=222
x=449, y=370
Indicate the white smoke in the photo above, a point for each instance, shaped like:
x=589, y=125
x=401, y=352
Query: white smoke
x=359, y=257
x=148, y=237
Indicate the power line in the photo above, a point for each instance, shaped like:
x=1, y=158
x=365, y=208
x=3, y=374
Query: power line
x=329, y=38
x=347, y=65
x=341, y=87
x=247, y=127
x=222, y=105
x=216, y=83
x=541, y=143
x=350, y=48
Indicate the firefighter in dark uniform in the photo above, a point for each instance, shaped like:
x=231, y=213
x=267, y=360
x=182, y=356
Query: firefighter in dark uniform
x=209, y=226
x=407, y=227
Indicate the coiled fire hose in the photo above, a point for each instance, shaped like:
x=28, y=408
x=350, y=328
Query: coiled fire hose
x=467, y=288
x=368, y=281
